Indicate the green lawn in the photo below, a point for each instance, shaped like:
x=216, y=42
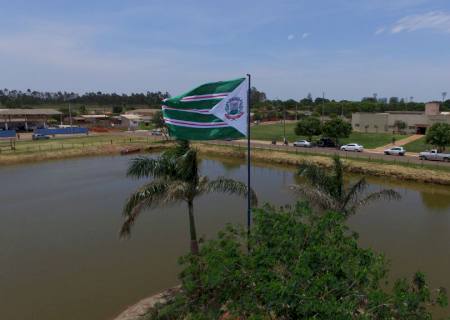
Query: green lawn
x=418, y=146
x=58, y=143
x=368, y=140
x=144, y=126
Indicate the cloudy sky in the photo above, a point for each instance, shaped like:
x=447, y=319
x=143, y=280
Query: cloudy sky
x=347, y=48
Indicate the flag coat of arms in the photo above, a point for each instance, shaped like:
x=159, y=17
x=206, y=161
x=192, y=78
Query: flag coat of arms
x=216, y=110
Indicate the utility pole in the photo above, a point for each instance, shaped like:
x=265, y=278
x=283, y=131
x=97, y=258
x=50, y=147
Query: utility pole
x=296, y=111
x=323, y=106
x=284, y=124
x=70, y=115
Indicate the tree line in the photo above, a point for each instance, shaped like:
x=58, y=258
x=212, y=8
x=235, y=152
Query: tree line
x=263, y=108
x=29, y=98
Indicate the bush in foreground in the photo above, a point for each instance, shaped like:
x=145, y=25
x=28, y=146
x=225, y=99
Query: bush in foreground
x=300, y=266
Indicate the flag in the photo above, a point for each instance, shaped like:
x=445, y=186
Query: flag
x=216, y=110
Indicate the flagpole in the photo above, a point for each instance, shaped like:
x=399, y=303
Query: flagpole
x=249, y=206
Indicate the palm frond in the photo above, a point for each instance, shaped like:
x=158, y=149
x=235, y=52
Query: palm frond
x=177, y=190
x=352, y=194
x=387, y=194
x=187, y=166
x=143, y=167
x=338, y=175
x=181, y=147
x=317, y=177
x=316, y=197
x=147, y=196
x=231, y=186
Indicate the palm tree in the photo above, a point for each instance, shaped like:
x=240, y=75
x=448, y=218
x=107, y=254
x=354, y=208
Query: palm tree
x=329, y=192
x=175, y=179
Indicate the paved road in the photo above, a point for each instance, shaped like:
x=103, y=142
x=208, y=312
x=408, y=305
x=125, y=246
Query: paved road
x=413, y=159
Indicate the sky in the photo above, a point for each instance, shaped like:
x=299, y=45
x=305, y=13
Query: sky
x=348, y=49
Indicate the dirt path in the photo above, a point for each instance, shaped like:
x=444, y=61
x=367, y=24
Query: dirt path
x=398, y=143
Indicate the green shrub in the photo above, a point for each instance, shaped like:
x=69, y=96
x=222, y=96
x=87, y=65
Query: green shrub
x=300, y=266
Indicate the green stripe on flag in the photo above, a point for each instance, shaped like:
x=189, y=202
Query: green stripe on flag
x=202, y=104
x=187, y=133
x=190, y=116
x=213, y=87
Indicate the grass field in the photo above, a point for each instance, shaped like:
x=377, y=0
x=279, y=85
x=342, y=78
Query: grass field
x=418, y=146
x=368, y=140
x=79, y=142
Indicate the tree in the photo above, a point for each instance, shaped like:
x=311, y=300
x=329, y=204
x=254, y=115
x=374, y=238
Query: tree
x=175, y=179
x=257, y=96
x=309, y=126
x=301, y=266
x=328, y=190
x=82, y=109
x=439, y=135
x=117, y=109
x=400, y=125
x=337, y=128
x=158, y=123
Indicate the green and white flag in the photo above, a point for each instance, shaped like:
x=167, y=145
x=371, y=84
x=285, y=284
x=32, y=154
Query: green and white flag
x=216, y=110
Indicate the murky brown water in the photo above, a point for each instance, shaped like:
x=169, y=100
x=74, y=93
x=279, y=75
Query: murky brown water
x=61, y=258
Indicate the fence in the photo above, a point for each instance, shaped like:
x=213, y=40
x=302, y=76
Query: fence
x=53, y=131
x=7, y=134
x=22, y=147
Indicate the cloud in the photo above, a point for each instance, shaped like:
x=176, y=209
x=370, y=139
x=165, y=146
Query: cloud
x=434, y=20
x=291, y=37
x=379, y=31
x=305, y=35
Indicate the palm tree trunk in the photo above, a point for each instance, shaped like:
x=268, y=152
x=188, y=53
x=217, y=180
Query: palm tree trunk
x=194, y=242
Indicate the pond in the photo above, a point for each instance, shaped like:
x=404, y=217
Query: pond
x=61, y=257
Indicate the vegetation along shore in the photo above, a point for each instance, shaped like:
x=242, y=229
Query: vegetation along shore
x=63, y=148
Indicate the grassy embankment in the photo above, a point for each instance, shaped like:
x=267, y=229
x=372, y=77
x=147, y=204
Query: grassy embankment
x=418, y=146
x=61, y=148
x=368, y=140
x=402, y=171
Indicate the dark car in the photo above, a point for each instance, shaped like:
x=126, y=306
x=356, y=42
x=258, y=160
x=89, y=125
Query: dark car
x=326, y=143
x=39, y=136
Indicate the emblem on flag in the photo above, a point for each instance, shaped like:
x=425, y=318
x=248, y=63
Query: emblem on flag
x=234, y=109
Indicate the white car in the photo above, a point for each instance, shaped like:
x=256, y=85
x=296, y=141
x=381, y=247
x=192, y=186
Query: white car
x=352, y=147
x=302, y=143
x=395, y=151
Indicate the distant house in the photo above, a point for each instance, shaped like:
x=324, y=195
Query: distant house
x=131, y=119
x=89, y=120
x=415, y=121
x=147, y=113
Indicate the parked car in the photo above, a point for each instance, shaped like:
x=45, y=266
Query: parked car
x=395, y=151
x=302, y=143
x=352, y=147
x=434, y=155
x=326, y=143
x=156, y=132
x=39, y=136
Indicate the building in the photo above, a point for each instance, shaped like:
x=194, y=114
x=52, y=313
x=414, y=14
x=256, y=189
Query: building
x=149, y=113
x=416, y=121
x=89, y=120
x=131, y=119
x=27, y=119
